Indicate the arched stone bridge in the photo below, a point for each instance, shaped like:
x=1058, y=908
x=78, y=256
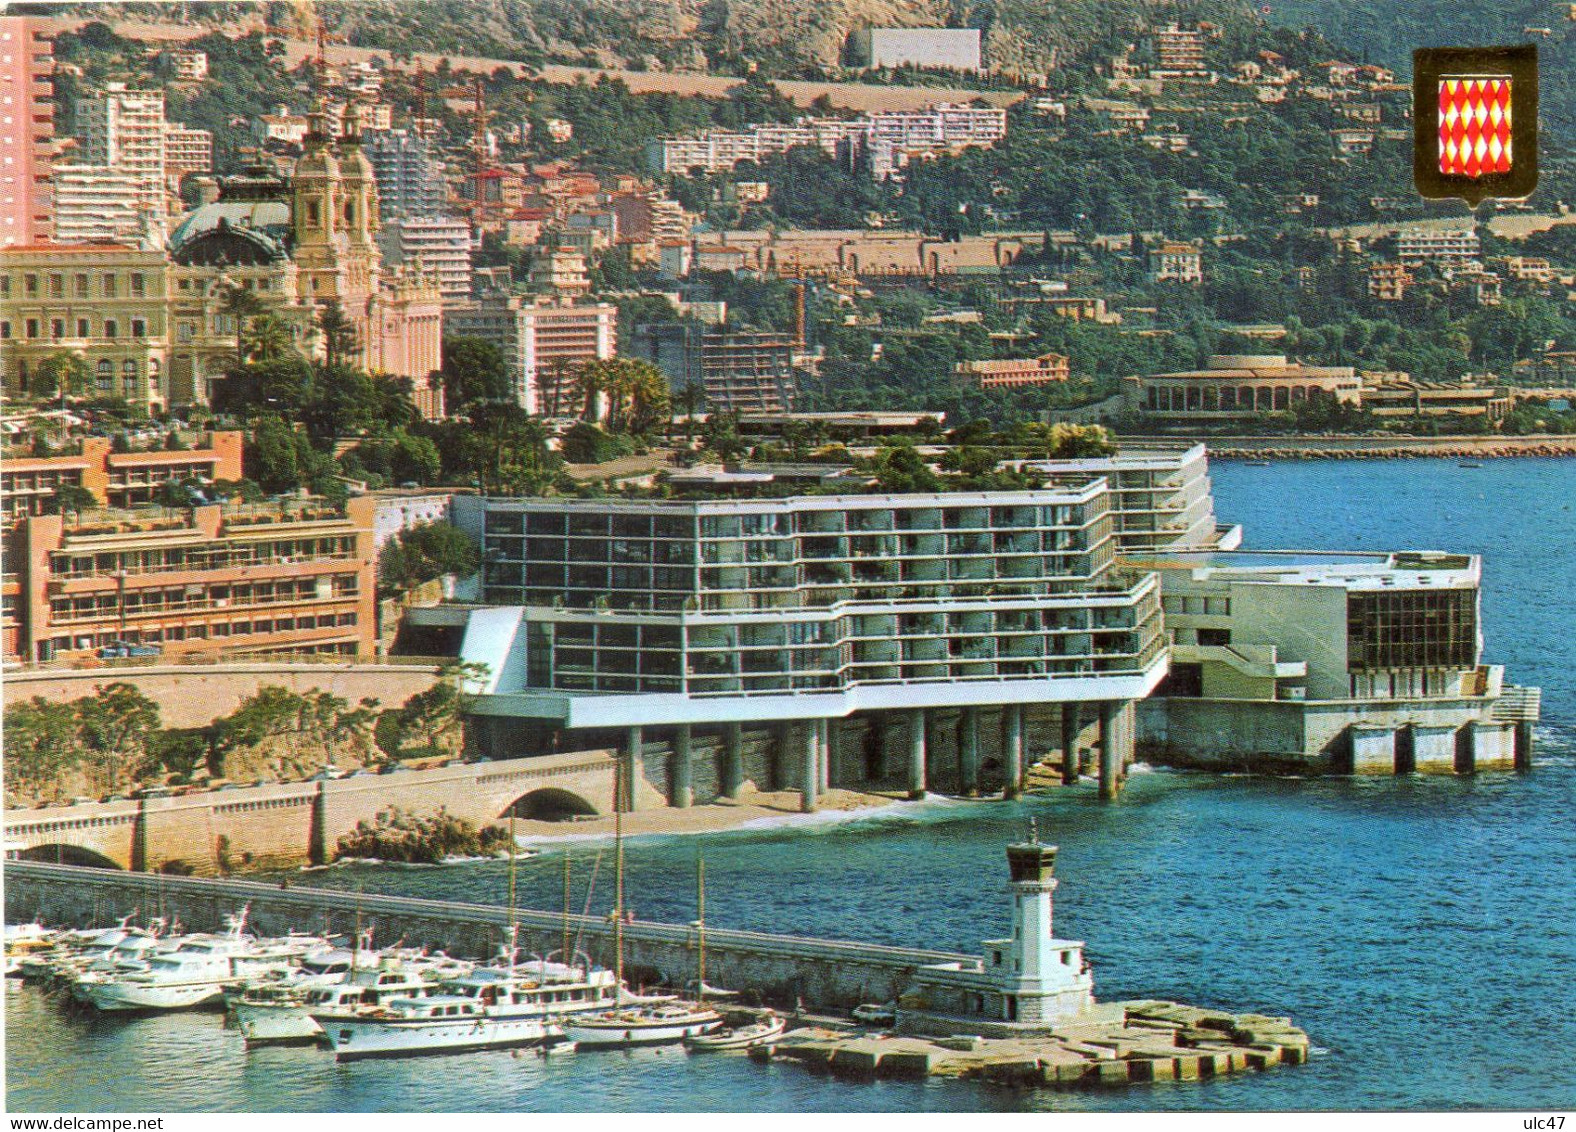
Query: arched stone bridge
x=293, y=823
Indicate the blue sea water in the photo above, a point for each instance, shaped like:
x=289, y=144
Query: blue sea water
x=1422, y=930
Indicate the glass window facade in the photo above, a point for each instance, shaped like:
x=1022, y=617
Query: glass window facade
x=817, y=593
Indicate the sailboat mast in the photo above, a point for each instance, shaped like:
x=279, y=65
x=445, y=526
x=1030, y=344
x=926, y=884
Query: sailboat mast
x=700, y=930
x=512, y=928
x=564, y=950
x=618, y=891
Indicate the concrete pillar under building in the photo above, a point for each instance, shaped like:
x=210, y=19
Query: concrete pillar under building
x=682, y=794
x=1012, y=749
x=732, y=759
x=1466, y=748
x=969, y=751
x=1524, y=743
x=629, y=772
x=1373, y=749
x=1116, y=745
x=810, y=770
x=1433, y=748
x=1070, y=727
x=916, y=753
x=832, y=753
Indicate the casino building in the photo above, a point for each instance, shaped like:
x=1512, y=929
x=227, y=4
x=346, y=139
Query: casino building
x=301, y=246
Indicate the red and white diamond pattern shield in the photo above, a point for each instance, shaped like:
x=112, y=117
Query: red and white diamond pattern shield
x=1474, y=125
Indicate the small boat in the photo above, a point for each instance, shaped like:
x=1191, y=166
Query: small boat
x=763, y=1032
x=1469, y=464
x=642, y=1026
x=1256, y=463
x=24, y=940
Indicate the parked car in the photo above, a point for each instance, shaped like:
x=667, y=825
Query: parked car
x=872, y=1014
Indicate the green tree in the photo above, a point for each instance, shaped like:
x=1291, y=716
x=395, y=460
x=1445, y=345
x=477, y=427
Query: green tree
x=43, y=744
x=117, y=726
x=505, y=451
x=1073, y=442
x=269, y=338
x=278, y=458
x=425, y=552
x=720, y=436
x=585, y=443
x=898, y=469
x=340, y=339
x=270, y=717
x=241, y=304
x=64, y=373
x=72, y=497
x=473, y=370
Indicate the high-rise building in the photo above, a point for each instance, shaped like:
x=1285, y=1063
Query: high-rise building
x=409, y=173
x=737, y=371
x=27, y=134
x=559, y=271
x=1160, y=496
x=97, y=202
x=186, y=151
x=124, y=130
x=805, y=612
x=439, y=246
x=541, y=343
x=219, y=580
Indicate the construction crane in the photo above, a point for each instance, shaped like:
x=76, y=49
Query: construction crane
x=479, y=145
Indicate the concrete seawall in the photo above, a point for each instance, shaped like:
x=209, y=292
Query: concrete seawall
x=781, y=969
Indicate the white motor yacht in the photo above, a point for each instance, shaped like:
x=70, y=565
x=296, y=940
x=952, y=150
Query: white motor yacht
x=282, y=1012
x=436, y=1024
x=193, y=974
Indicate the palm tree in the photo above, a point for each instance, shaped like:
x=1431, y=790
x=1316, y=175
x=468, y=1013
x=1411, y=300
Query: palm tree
x=340, y=339
x=241, y=305
x=589, y=384
x=270, y=337
x=650, y=401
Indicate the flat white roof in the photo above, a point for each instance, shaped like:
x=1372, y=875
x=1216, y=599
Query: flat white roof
x=1416, y=569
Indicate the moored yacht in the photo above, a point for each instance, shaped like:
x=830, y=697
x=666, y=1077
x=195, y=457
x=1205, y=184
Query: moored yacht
x=641, y=1026
x=193, y=974
x=283, y=1011
x=435, y=1024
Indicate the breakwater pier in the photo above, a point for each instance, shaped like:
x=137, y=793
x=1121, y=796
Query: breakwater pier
x=1022, y=1014
x=778, y=968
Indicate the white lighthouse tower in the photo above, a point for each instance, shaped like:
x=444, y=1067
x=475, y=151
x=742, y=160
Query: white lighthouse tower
x=1042, y=978
x=1028, y=982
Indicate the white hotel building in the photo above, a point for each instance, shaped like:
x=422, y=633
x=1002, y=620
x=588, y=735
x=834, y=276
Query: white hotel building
x=806, y=612
x=950, y=640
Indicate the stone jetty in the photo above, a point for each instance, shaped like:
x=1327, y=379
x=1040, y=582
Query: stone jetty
x=1113, y=1044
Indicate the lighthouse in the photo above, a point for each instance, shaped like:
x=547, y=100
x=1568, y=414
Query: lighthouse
x=1026, y=983
x=1043, y=979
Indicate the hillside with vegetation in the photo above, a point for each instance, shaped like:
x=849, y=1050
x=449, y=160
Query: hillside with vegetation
x=780, y=38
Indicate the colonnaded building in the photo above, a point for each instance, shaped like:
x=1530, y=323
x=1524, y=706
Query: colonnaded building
x=948, y=640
